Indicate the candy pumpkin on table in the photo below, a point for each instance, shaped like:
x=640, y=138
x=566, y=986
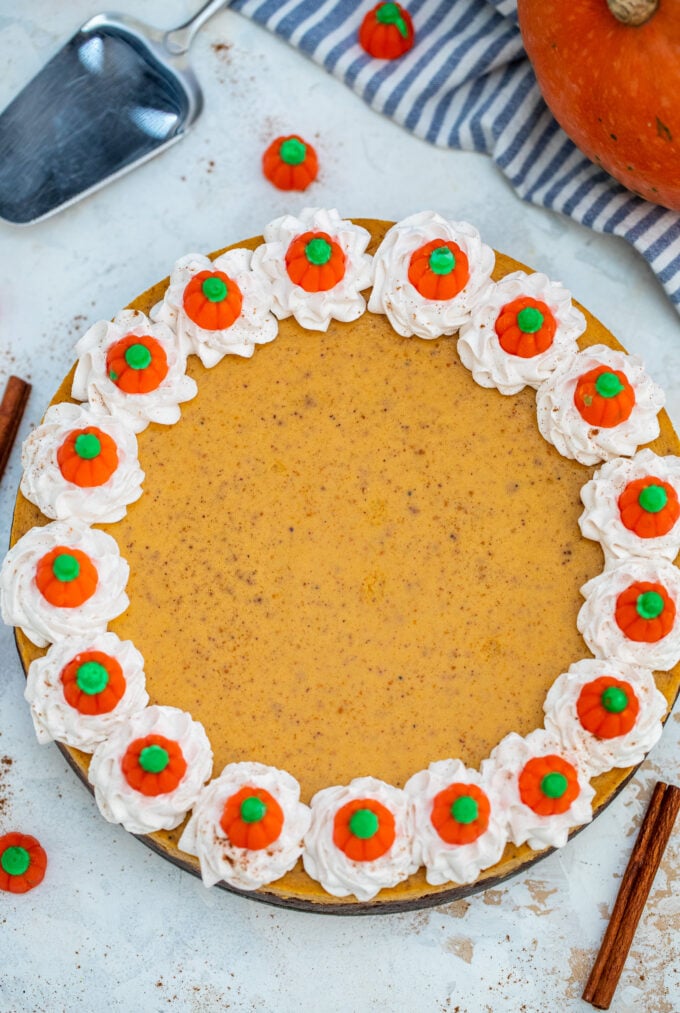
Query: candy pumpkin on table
x=609, y=71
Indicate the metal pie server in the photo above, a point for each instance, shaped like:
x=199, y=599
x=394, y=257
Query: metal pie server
x=118, y=93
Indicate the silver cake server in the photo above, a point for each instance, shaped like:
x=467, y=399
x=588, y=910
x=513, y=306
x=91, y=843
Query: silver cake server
x=118, y=93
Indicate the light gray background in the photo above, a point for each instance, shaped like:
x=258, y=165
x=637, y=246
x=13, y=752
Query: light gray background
x=113, y=927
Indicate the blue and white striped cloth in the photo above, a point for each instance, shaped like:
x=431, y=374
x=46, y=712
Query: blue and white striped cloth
x=468, y=84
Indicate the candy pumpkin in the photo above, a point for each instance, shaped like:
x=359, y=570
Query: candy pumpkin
x=604, y=398
x=548, y=785
x=252, y=818
x=290, y=163
x=22, y=862
x=525, y=327
x=93, y=682
x=137, y=365
x=386, y=31
x=610, y=72
x=439, y=270
x=645, y=612
x=212, y=300
x=315, y=262
x=87, y=457
x=153, y=765
x=607, y=707
x=66, y=577
x=364, y=830
x=460, y=813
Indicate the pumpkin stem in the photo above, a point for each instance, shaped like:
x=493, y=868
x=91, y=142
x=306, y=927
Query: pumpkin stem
x=632, y=12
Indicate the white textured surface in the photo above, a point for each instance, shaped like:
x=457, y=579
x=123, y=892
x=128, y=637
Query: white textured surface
x=113, y=926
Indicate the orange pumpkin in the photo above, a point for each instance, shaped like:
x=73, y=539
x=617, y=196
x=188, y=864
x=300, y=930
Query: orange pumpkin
x=548, y=785
x=213, y=300
x=649, y=507
x=153, y=765
x=613, y=85
x=290, y=163
x=387, y=31
x=364, y=830
x=87, y=457
x=525, y=327
x=22, y=862
x=315, y=262
x=66, y=577
x=93, y=682
x=460, y=813
x=645, y=612
x=604, y=398
x=252, y=818
x=137, y=365
x=607, y=707
x=439, y=269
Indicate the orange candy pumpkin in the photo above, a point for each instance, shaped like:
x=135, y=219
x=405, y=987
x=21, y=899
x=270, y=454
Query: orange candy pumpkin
x=364, y=829
x=22, y=862
x=645, y=612
x=604, y=398
x=315, y=262
x=93, y=682
x=548, y=785
x=387, y=31
x=87, y=457
x=612, y=84
x=525, y=327
x=153, y=765
x=66, y=577
x=290, y=163
x=607, y=707
x=460, y=822
x=649, y=507
x=137, y=365
x=439, y=269
x=252, y=818
x=213, y=300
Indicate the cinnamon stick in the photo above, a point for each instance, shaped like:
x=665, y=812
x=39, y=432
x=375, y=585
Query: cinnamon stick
x=11, y=412
x=635, y=887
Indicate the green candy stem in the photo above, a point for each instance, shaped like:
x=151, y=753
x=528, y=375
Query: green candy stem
x=65, y=567
x=465, y=809
x=653, y=499
x=614, y=699
x=608, y=385
x=92, y=678
x=364, y=824
x=15, y=861
x=214, y=289
x=87, y=446
x=153, y=759
x=390, y=14
x=292, y=151
x=554, y=785
x=442, y=260
x=649, y=605
x=138, y=356
x=318, y=251
x=530, y=320
x=253, y=809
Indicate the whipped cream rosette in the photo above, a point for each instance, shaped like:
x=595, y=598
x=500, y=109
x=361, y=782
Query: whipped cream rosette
x=631, y=613
x=632, y=507
x=317, y=266
x=360, y=840
x=81, y=464
x=601, y=404
x=459, y=829
x=63, y=580
x=218, y=307
x=133, y=369
x=430, y=274
x=247, y=826
x=83, y=688
x=526, y=328
x=543, y=788
x=608, y=713
x=148, y=773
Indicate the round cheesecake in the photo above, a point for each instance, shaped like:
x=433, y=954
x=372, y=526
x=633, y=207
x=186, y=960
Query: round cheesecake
x=351, y=560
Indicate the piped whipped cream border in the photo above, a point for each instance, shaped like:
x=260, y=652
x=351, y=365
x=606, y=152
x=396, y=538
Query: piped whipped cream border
x=413, y=847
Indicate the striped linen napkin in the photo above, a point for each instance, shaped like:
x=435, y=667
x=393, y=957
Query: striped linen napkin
x=468, y=84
